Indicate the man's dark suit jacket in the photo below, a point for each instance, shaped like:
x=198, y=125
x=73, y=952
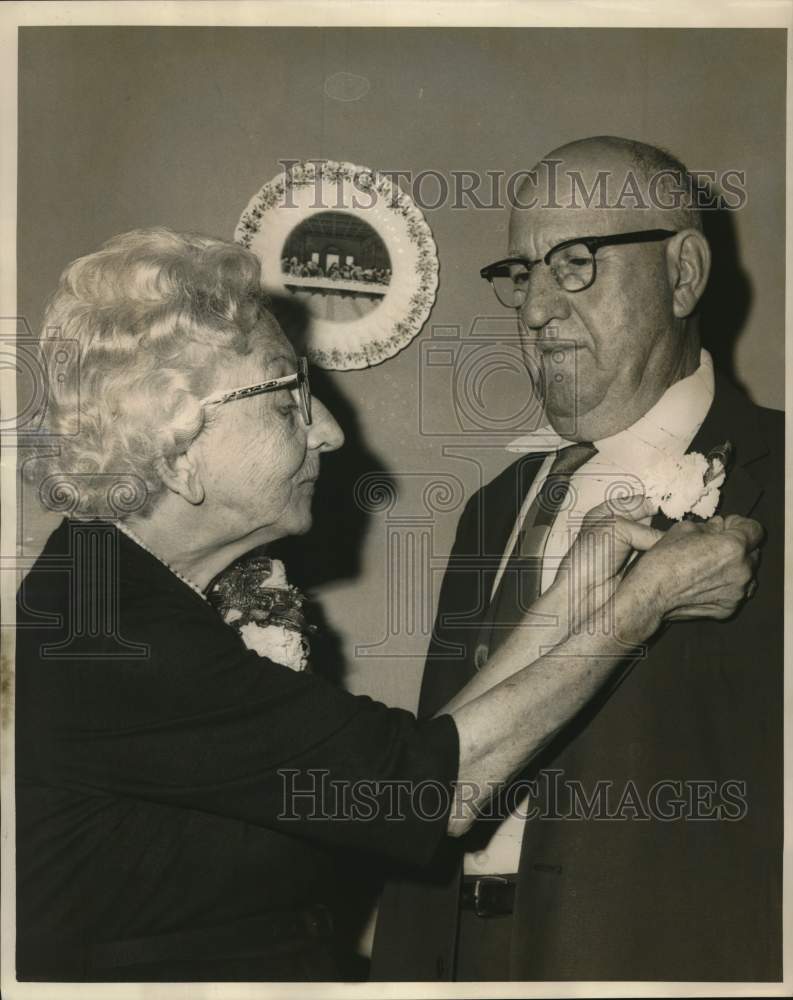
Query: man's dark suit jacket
x=642, y=898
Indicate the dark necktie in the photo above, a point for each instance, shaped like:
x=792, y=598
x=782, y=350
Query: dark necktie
x=520, y=583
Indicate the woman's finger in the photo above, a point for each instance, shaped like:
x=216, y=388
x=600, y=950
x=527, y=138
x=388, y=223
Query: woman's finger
x=751, y=532
x=639, y=536
x=634, y=507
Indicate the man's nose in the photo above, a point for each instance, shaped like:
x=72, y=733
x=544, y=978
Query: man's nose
x=545, y=300
x=324, y=433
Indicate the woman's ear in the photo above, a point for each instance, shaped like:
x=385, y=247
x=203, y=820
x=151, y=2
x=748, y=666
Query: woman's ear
x=182, y=476
x=688, y=258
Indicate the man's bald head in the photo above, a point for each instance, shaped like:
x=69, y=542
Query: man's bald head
x=634, y=179
x=612, y=344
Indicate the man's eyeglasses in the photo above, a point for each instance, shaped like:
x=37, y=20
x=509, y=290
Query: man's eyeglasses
x=298, y=383
x=572, y=264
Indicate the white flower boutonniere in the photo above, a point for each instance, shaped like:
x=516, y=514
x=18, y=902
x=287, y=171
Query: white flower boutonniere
x=688, y=484
x=255, y=599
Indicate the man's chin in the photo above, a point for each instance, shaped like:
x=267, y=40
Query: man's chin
x=560, y=413
x=569, y=418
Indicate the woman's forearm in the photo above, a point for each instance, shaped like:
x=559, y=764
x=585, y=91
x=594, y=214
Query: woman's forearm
x=544, y=626
x=507, y=725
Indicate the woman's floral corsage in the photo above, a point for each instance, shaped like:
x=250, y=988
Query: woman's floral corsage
x=684, y=485
x=255, y=599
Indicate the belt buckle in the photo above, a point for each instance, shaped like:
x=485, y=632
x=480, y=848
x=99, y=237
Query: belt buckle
x=480, y=907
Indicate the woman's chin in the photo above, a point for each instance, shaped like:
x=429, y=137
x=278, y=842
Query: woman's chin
x=305, y=527
x=298, y=524
x=300, y=521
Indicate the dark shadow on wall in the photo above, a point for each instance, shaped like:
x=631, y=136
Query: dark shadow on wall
x=331, y=550
x=725, y=305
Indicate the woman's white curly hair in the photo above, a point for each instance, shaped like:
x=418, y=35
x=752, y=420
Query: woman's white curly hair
x=155, y=314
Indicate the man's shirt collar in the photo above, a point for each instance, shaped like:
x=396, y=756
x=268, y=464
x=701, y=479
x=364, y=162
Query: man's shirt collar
x=670, y=425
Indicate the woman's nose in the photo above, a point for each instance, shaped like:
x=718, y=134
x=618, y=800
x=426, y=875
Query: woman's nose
x=545, y=300
x=324, y=433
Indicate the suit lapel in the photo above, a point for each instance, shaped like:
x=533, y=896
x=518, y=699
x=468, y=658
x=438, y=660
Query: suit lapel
x=731, y=418
x=482, y=537
x=496, y=534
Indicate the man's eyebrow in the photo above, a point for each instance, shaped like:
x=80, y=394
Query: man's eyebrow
x=549, y=244
x=518, y=255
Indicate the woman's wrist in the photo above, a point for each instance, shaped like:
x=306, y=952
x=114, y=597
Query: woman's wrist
x=637, y=615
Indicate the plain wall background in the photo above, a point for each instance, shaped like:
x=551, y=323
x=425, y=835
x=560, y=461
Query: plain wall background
x=130, y=127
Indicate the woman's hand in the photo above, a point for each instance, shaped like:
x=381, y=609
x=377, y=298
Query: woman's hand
x=587, y=578
x=593, y=567
x=695, y=570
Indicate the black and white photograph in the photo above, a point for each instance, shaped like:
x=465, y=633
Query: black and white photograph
x=393, y=500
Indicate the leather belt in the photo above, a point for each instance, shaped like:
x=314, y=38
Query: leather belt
x=488, y=895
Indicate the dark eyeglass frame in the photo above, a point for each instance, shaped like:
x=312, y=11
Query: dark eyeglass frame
x=298, y=380
x=592, y=243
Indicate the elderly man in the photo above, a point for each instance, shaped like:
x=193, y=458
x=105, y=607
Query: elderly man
x=646, y=842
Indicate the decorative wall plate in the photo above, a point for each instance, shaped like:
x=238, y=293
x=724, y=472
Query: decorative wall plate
x=354, y=248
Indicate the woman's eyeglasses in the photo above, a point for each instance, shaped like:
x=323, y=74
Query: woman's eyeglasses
x=298, y=383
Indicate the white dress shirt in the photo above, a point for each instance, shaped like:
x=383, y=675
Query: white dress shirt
x=669, y=426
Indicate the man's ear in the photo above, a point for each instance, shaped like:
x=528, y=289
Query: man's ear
x=688, y=259
x=182, y=476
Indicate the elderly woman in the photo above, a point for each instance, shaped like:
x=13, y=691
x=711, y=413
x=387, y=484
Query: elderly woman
x=182, y=801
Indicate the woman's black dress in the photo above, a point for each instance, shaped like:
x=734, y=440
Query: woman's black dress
x=181, y=802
